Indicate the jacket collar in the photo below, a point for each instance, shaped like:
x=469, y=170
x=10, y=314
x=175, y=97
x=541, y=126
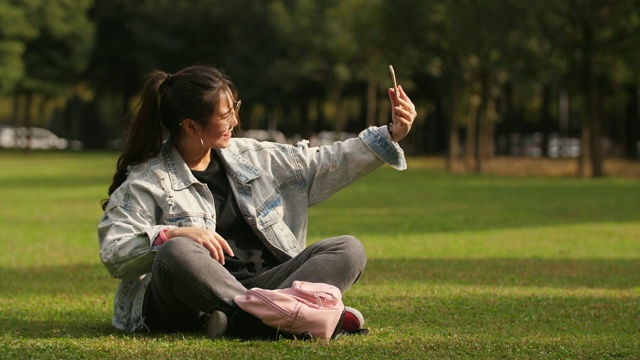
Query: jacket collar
x=238, y=169
x=179, y=173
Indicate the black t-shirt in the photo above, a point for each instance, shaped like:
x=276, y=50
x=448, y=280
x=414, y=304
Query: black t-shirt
x=251, y=255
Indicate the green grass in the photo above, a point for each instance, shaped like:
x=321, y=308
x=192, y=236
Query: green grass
x=459, y=267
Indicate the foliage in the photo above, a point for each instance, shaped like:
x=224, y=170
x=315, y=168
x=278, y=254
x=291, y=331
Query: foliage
x=12, y=43
x=55, y=58
x=483, y=69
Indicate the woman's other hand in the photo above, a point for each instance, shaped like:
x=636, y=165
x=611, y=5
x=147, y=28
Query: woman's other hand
x=210, y=239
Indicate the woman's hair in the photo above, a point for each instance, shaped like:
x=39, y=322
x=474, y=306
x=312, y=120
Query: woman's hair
x=166, y=100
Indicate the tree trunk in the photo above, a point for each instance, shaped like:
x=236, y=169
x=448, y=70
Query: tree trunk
x=597, y=156
x=320, y=116
x=545, y=118
x=28, y=120
x=305, y=122
x=288, y=117
x=484, y=123
x=384, y=112
x=563, y=113
x=489, y=129
x=586, y=120
x=632, y=123
x=508, y=120
x=42, y=109
x=585, y=137
x=17, y=110
x=480, y=139
x=338, y=100
x=454, y=141
x=434, y=130
x=274, y=117
x=472, y=120
x=372, y=101
x=17, y=116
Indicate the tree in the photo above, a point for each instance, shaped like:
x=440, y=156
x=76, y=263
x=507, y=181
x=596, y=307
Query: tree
x=587, y=33
x=134, y=37
x=12, y=43
x=56, y=56
x=324, y=39
x=478, y=67
x=481, y=46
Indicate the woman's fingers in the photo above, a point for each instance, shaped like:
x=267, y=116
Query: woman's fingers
x=215, y=250
x=403, y=113
x=211, y=240
x=218, y=246
x=224, y=244
x=407, y=103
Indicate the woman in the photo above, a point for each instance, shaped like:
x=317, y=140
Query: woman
x=193, y=221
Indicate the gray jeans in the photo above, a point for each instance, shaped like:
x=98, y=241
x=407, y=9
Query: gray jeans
x=187, y=283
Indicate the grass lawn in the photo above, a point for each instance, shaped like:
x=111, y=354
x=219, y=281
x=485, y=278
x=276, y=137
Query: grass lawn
x=460, y=266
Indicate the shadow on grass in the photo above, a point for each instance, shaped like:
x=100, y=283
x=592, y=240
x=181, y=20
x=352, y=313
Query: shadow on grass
x=56, y=301
x=73, y=324
x=560, y=273
x=75, y=301
x=554, y=273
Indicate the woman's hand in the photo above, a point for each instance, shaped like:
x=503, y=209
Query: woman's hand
x=210, y=239
x=403, y=113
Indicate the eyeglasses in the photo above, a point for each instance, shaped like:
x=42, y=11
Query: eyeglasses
x=236, y=111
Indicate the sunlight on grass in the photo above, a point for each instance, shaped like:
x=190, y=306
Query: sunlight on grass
x=601, y=241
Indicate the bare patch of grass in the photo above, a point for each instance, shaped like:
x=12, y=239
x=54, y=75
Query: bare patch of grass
x=524, y=166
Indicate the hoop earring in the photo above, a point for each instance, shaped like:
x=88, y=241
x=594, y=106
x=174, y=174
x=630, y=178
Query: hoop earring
x=201, y=150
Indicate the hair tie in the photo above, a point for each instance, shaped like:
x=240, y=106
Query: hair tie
x=167, y=80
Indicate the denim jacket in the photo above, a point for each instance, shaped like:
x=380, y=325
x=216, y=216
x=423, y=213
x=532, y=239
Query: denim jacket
x=274, y=185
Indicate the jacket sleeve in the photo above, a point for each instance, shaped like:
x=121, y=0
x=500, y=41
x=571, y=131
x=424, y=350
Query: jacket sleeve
x=333, y=167
x=126, y=233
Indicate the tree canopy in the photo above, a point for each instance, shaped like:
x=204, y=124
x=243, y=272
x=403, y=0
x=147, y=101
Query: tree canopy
x=480, y=72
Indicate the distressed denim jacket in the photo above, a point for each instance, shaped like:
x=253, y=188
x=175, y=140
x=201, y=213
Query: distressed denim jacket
x=274, y=185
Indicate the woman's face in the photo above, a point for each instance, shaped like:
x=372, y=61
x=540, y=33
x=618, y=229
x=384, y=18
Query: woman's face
x=217, y=133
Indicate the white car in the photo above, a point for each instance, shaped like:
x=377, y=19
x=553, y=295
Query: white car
x=564, y=147
x=39, y=139
x=265, y=135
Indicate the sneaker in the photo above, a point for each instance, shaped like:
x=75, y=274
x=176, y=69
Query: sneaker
x=216, y=324
x=246, y=326
x=353, y=320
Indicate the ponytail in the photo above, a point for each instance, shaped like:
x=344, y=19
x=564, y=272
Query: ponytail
x=165, y=101
x=144, y=137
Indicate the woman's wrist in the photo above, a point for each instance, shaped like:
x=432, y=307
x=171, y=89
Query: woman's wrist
x=162, y=237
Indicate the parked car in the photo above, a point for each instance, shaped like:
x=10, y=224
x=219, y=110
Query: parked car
x=265, y=135
x=329, y=137
x=564, y=147
x=38, y=139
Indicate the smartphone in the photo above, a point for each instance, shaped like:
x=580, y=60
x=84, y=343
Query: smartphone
x=395, y=83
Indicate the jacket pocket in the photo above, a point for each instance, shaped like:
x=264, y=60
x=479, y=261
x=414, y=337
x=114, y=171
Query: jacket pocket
x=270, y=221
x=271, y=213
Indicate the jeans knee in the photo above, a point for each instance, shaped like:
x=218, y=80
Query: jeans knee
x=354, y=251
x=173, y=249
x=181, y=254
x=355, y=246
